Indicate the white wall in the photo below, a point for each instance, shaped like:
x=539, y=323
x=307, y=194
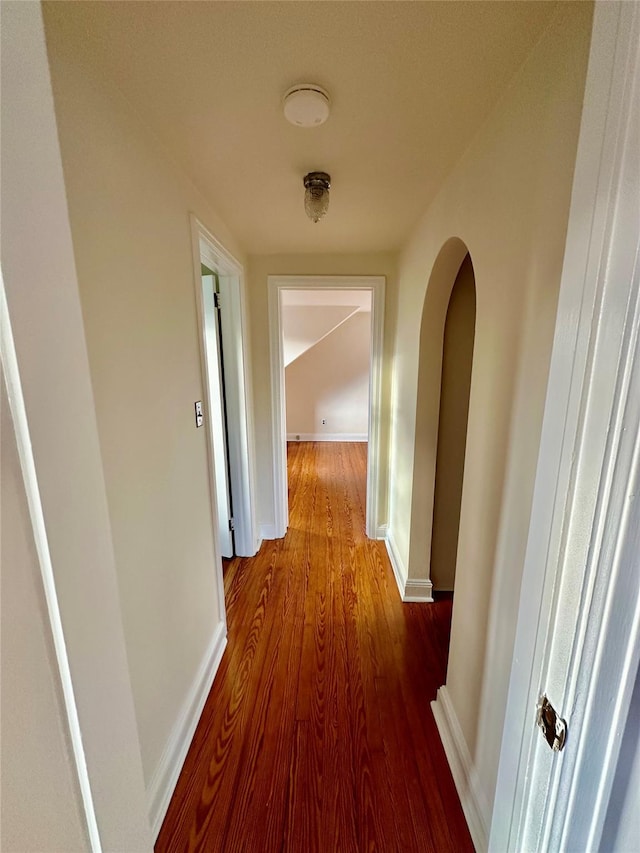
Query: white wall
x=330, y=381
x=507, y=200
x=129, y=210
x=58, y=412
x=259, y=268
x=39, y=794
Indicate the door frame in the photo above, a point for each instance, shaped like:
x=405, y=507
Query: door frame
x=578, y=632
x=209, y=251
x=276, y=284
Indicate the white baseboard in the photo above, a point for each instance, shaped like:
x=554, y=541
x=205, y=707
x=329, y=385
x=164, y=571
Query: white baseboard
x=472, y=798
x=382, y=531
x=418, y=590
x=165, y=778
x=269, y=531
x=399, y=571
x=327, y=436
x=410, y=590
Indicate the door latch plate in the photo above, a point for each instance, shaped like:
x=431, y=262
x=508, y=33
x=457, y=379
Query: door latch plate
x=552, y=726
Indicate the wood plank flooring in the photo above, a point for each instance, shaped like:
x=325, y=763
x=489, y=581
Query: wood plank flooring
x=318, y=734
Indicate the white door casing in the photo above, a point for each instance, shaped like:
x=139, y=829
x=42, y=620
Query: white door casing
x=578, y=634
x=207, y=250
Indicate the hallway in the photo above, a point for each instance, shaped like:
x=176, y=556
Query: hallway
x=318, y=733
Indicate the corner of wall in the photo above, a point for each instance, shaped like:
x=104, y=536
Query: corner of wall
x=410, y=589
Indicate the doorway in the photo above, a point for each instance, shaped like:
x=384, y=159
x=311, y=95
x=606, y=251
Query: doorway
x=279, y=286
x=219, y=286
x=455, y=387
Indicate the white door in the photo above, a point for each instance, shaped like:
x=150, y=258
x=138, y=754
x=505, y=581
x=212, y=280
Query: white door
x=216, y=410
x=578, y=635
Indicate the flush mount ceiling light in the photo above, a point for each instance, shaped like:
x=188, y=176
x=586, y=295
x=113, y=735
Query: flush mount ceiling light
x=316, y=194
x=306, y=105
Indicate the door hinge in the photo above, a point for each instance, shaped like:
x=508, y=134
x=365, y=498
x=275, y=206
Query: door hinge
x=232, y=525
x=554, y=729
x=216, y=299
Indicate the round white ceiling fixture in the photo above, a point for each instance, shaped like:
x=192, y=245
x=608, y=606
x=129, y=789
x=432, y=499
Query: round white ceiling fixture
x=306, y=105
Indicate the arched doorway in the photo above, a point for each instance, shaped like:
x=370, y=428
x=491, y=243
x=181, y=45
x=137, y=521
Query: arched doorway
x=453, y=255
x=455, y=386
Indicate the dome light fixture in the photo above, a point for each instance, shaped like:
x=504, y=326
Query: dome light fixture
x=306, y=105
x=316, y=194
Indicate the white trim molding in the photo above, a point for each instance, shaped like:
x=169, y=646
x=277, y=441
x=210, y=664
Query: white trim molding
x=412, y=590
x=381, y=532
x=165, y=777
x=268, y=531
x=399, y=569
x=474, y=804
x=418, y=590
x=276, y=285
x=327, y=436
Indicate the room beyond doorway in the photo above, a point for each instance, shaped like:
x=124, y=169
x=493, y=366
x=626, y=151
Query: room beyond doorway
x=279, y=288
x=326, y=338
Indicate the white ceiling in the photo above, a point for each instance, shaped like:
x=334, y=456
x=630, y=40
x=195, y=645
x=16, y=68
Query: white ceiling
x=357, y=299
x=410, y=83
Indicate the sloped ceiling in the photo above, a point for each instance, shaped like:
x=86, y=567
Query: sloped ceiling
x=360, y=299
x=410, y=83
x=309, y=316
x=303, y=326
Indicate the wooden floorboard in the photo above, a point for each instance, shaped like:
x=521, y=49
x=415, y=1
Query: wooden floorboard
x=318, y=733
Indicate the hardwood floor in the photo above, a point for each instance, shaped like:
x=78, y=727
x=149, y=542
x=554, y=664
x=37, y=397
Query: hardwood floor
x=318, y=734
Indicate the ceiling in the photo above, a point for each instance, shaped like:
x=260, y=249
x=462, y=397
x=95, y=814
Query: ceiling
x=410, y=84
x=359, y=300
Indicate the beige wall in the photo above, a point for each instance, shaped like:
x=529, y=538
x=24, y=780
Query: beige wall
x=129, y=209
x=39, y=795
x=507, y=200
x=259, y=268
x=330, y=381
x=455, y=386
x=57, y=425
